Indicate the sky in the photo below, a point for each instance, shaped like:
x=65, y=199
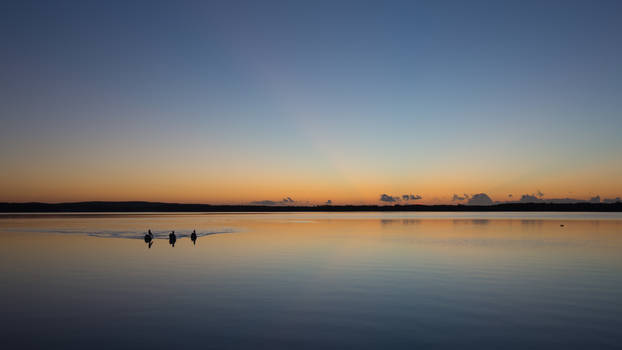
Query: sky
x=237, y=102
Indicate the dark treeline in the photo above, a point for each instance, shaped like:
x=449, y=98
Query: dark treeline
x=178, y=207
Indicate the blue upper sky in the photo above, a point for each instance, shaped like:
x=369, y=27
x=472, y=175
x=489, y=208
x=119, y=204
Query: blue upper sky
x=262, y=99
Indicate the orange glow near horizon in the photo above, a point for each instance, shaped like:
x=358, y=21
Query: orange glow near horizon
x=234, y=188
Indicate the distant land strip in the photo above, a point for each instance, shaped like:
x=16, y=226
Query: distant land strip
x=36, y=207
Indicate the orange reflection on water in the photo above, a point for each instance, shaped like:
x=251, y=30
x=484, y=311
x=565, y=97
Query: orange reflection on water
x=63, y=241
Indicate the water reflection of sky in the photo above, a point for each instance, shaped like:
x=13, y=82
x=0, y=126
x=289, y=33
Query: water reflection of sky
x=323, y=281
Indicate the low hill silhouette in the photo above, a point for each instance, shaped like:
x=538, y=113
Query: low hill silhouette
x=36, y=207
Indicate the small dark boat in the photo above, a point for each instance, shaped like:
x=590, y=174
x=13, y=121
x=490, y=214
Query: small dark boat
x=172, y=238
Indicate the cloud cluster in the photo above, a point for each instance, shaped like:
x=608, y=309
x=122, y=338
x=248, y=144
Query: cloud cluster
x=480, y=199
x=539, y=198
x=386, y=198
x=460, y=198
x=411, y=197
x=475, y=199
x=530, y=198
x=405, y=197
x=284, y=201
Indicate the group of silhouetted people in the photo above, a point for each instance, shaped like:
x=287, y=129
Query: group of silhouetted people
x=172, y=238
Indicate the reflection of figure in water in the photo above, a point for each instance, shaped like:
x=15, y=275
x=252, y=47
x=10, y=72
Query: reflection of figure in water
x=193, y=237
x=149, y=238
x=172, y=238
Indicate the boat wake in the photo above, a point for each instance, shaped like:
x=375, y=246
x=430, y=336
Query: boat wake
x=133, y=234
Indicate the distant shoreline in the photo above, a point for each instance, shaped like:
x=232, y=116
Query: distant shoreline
x=89, y=207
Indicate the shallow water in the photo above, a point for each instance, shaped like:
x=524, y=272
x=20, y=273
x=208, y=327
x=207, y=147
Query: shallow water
x=312, y=280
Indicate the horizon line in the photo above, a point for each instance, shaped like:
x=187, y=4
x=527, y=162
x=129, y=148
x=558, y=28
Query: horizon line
x=145, y=206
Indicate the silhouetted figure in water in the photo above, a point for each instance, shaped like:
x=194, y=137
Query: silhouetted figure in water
x=193, y=237
x=149, y=238
x=172, y=238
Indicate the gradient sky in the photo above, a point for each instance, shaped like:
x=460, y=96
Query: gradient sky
x=233, y=101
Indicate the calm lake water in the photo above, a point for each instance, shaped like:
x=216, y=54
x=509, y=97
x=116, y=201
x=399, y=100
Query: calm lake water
x=312, y=280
